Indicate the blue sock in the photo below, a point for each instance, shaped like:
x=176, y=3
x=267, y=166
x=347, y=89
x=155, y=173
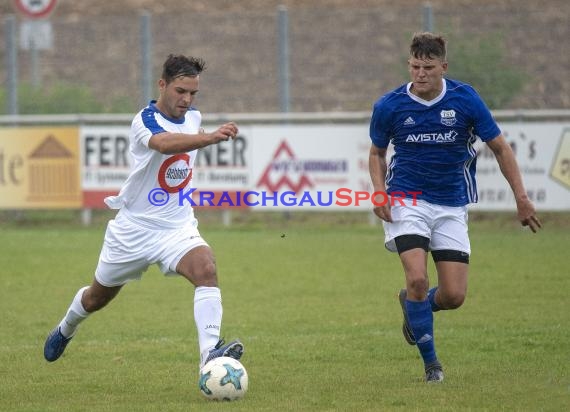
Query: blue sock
x=431, y=297
x=420, y=317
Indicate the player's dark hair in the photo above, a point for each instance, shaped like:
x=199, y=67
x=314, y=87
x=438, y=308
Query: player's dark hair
x=177, y=65
x=427, y=45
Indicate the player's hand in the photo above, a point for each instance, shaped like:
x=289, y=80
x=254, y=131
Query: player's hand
x=384, y=212
x=527, y=215
x=532, y=222
x=224, y=133
x=227, y=131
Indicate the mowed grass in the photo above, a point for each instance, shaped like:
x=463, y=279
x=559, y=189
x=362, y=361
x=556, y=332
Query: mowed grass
x=315, y=304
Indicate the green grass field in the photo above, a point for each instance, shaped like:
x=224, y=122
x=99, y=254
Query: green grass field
x=316, y=309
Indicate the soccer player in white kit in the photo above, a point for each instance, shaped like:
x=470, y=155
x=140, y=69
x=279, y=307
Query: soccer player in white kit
x=433, y=123
x=152, y=224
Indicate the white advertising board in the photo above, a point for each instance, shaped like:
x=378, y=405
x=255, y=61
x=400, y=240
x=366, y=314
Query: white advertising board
x=225, y=166
x=543, y=154
x=310, y=166
x=105, y=157
x=325, y=166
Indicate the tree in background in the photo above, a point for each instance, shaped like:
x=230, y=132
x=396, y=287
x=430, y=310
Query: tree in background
x=64, y=98
x=482, y=62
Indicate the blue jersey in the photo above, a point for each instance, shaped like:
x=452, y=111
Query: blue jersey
x=433, y=141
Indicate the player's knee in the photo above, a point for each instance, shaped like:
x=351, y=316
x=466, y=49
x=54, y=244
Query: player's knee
x=418, y=286
x=209, y=271
x=453, y=301
x=206, y=275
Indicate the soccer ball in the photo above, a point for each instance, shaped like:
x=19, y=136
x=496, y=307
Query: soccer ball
x=223, y=379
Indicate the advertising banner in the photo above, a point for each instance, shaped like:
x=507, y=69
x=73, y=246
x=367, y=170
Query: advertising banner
x=324, y=167
x=543, y=154
x=39, y=168
x=105, y=162
x=315, y=167
x=225, y=166
x=327, y=167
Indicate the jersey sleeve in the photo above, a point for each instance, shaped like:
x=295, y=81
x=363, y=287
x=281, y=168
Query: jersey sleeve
x=484, y=124
x=145, y=126
x=380, y=125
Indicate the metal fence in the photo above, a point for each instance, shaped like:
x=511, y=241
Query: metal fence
x=308, y=59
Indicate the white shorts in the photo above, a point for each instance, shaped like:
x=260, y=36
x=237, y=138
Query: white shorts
x=129, y=249
x=445, y=226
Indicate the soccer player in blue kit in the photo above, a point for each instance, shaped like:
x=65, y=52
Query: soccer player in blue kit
x=433, y=123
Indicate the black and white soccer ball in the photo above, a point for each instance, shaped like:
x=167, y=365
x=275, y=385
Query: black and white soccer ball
x=223, y=379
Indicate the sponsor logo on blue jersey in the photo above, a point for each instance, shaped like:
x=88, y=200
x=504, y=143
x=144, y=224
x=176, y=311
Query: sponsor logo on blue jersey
x=448, y=137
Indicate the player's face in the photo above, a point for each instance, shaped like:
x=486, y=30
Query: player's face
x=426, y=76
x=177, y=96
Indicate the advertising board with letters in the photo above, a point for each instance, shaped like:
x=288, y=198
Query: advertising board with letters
x=267, y=167
x=39, y=168
x=543, y=154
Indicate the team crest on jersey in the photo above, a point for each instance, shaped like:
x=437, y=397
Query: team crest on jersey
x=175, y=173
x=448, y=117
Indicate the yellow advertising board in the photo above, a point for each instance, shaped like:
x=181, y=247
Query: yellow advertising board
x=40, y=168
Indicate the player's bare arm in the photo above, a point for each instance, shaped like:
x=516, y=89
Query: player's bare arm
x=377, y=167
x=170, y=143
x=510, y=169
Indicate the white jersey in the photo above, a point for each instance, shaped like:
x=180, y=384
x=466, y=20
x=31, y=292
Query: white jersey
x=153, y=194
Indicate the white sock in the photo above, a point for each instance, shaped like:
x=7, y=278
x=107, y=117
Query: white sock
x=208, y=318
x=74, y=316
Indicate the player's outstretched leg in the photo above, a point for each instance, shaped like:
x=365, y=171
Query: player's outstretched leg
x=406, y=329
x=60, y=336
x=233, y=349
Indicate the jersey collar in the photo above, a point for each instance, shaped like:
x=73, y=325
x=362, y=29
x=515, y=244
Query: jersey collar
x=427, y=102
